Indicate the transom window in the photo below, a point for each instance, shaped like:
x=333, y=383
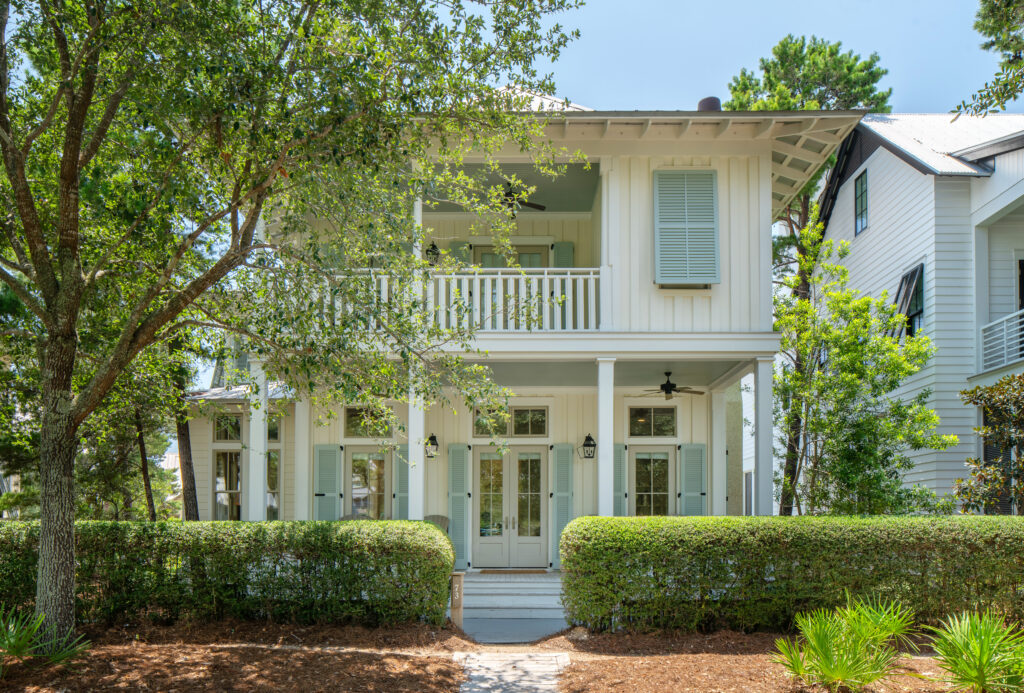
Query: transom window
x=227, y=428
x=652, y=421
x=522, y=422
x=860, y=203
x=651, y=483
x=361, y=422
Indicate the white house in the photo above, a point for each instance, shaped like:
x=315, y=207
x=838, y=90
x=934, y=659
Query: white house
x=932, y=208
x=662, y=252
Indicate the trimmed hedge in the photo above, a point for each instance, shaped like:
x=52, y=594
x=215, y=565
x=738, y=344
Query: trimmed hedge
x=307, y=572
x=753, y=573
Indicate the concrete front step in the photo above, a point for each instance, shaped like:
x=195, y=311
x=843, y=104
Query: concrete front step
x=513, y=612
x=500, y=601
x=513, y=596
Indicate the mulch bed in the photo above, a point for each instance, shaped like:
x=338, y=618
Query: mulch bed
x=690, y=663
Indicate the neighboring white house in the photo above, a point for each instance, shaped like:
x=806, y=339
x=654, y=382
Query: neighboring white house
x=662, y=252
x=932, y=209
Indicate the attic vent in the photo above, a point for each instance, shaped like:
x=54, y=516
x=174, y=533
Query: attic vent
x=710, y=103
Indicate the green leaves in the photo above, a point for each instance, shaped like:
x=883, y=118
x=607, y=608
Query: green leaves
x=22, y=639
x=1000, y=476
x=980, y=653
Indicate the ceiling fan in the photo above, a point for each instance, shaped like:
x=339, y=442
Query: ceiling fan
x=669, y=388
x=514, y=200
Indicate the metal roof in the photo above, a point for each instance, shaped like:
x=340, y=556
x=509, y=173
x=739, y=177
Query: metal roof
x=945, y=146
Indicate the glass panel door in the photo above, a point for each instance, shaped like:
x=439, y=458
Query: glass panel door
x=651, y=483
x=490, y=511
x=527, y=489
x=228, y=486
x=368, y=491
x=529, y=495
x=492, y=495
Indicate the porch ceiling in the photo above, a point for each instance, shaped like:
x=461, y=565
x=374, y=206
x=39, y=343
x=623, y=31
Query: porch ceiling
x=572, y=191
x=627, y=373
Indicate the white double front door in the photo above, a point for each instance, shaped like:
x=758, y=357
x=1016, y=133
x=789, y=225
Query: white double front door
x=510, y=508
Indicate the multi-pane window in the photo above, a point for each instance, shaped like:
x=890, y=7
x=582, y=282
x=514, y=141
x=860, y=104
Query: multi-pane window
x=274, y=468
x=860, y=203
x=492, y=494
x=522, y=422
x=529, y=494
x=652, y=421
x=651, y=483
x=228, y=488
x=369, y=479
x=361, y=422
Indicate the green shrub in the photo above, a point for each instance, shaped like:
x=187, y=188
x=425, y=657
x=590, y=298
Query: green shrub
x=847, y=648
x=757, y=573
x=352, y=572
x=980, y=653
x=22, y=639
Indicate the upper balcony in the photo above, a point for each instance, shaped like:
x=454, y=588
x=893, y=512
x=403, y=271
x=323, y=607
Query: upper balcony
x=1002, y=342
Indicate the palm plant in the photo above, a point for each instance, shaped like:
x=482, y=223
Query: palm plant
x=980, y=653
x=22, y=638
x=847, y=648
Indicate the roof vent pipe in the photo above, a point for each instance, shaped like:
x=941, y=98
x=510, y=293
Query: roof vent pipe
x=710, y=103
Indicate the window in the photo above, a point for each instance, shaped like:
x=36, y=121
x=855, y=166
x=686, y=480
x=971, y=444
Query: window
x=227, y=428
x=910, y=299
x=652, y=421
x=361, y=422
x=274, y=468
x=748, y=493
x=228, y=485
x=369, y=479
x=860, y=203
x=651, y=483
x=686, y=228
x=274, y=429
x=525, y=422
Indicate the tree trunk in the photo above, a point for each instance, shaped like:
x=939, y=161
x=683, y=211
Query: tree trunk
x=145, y=466
x=55, y=585
x=190, y=502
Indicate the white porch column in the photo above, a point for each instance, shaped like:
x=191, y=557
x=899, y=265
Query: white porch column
x=763, y=434
x=719, y=487
x=303, y=466
x=606, y=436
x=610, y=210
x=255, y=475
x=417, y=458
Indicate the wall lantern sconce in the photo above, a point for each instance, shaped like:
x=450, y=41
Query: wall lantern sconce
x=432, y=447
x=433, y=254
x=589, y=447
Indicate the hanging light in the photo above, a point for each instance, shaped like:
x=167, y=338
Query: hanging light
x=589, y=447
x=433, y=254
x=432, y=447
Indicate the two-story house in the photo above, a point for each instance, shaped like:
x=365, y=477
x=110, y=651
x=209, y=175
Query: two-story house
x=933, y=209
x=660, y=255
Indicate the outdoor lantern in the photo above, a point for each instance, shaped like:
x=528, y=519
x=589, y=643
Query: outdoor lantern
x=433, y=254
x=432, y=447
x=589, y=447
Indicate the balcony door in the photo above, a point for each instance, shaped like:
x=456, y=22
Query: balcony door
x=509, y=508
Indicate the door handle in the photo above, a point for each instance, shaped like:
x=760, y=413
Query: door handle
x=513, y=522
x=506, y=521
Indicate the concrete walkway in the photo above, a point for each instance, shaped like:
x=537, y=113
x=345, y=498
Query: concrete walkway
x=511, y=672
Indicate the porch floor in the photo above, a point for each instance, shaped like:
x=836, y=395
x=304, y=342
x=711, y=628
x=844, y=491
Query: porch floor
x=512, y=607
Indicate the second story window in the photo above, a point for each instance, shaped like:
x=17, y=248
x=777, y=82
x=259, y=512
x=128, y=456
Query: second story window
x=910, y=299
x=686, y=228
x=860, y=203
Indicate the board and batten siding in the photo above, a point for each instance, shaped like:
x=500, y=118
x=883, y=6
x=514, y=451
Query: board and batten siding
x=201, y=435
x=576, y=228
x=1005, y=247
x=740, y=302
x=915, y=218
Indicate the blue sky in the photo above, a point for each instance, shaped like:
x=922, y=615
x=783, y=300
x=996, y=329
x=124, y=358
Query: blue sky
x=668, y=54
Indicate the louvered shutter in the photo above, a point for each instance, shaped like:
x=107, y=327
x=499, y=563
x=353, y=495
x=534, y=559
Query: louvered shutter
x=327, y=493
x=400, y=483
x=460, y=251
x=693, y=479
x=686, y=228
x=458, y=502
x=561, y=493
x=565, y=254
x=619, y=484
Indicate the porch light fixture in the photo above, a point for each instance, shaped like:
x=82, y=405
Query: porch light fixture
x=432, y=447
x=433, y=254
x=589, y=447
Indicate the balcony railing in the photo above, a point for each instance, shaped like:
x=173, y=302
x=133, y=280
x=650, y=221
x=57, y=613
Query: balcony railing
x=1002, y=341
x=516, y=300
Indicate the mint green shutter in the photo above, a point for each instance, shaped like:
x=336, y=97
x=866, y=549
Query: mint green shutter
x=686, y=228
x=564, y=254
x=458, y=502
x=561, y=491
x=459, y=250
x=693, y=479
x=400, y=481
x=619, y=485
x=327, y=482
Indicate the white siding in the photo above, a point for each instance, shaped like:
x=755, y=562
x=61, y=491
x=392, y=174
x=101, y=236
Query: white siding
x=1005, y=246
x=201, y=434
x=1008, y=173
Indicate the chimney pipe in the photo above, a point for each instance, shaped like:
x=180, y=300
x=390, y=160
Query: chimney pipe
x=710, y=103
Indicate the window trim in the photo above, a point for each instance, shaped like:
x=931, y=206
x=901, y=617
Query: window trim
x=278, y=447
x=216, y=428
x=860, y=195
x=630, y=406
x=360, y=438
x=544, y=403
